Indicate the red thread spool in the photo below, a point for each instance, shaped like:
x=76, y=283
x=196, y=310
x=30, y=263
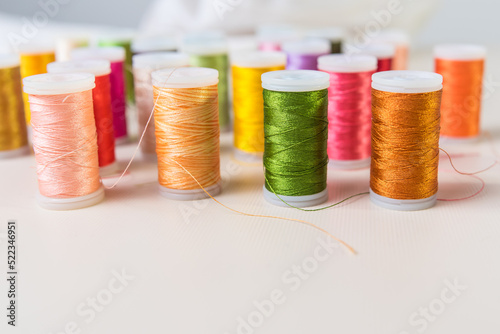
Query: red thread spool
x=384, y=53
x=102, y=107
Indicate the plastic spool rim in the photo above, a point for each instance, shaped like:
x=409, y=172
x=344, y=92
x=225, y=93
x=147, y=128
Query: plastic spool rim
x=403, y=204
x=123, y=140
x=9, y=60
x=205, y=44
x=380, y=50
x=158, y=60
x=460, y=52
x=185, y=77
x=58, y=83
x=110, y=53
x=259, y=59
x=60, y=204
x=333, y=34
x=15, y=153
x=343, y=63
x=153, y=44
x=94, y=66
x=308, y=46
x=108, y=170
x=295, y=80
x=349, y=164
x=248, y=157
x=190, y=195
x=36, y=48
x=297, y=201
x=407, y=81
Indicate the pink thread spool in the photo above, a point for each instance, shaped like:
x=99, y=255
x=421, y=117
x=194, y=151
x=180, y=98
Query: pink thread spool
x=64, y=140
x=349, y=109
x=116, y=56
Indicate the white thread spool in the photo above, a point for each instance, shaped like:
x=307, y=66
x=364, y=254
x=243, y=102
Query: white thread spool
x=295, y=81
x=341, y=63
x=186, y=77
x=256, y=59
x=55, y=84
x=143, y=65
x=408, y=82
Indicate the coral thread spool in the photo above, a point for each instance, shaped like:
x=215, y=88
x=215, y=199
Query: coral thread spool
x=101, y=96
x=405, y=139
x=248, y=105
x=143, y=65
x=116, y=56
x=66, y=153
x=462, y=67
x=298, y=85
x=349, y=109
x=187, y=132
x=304, y=54
x=13, y=134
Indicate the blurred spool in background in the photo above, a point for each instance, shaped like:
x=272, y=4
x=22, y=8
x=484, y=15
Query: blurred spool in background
x=462, y=68
x=64, y=140
x=153, y=43
x=187, y=132
x=334, y=35
x=13, y=134
x=304, y=54
x=384, y=52
x=248, y=104
x=143, y=65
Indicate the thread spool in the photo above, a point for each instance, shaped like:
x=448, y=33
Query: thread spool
x=304, y=54
x=116, y=56
x=295, y=156
x=349, y=109
x=462, y=67
x=13, y=136
x=270, y=37
x=158, y=43
x=248, y=104
x=405, y=139
x=384, y=53
x=143, y=65
x=123, y=40
x=65, y=44
x=187, y=132
x=103, y=115
x=401, y=42
x=210, y=50
x=334, y=35
x=34, y=59
x=64, y=140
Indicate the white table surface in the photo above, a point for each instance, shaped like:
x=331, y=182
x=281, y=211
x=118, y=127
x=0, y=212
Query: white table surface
x=198, y=267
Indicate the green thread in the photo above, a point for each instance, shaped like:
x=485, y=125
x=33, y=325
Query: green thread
x=336, y=46
x=296, y=134
x=129, y=77
x=220, y=63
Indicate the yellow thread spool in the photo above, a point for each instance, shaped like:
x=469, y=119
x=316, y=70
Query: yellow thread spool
x=248, y=104
x=34, y=61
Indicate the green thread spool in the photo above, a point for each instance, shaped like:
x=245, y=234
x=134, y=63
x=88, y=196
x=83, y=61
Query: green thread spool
x=295, y=134
x=124, y=42
x=210, y=50
x=333, y=34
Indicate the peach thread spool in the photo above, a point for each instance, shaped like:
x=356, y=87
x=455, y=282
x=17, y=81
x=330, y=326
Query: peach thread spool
x=64, y=140
x=187, y=132
x=405, y=139
x=102, y=107
x=143, y=65
x=462, y=67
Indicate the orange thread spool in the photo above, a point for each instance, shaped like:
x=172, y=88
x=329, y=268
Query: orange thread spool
x=462, y=68
x=187, y=132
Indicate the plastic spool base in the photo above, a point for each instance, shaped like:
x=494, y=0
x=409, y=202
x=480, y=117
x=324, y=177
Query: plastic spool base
x=226, y=128
x=121, y=141
x=402, y=204
x=190, y=195
x=63, y=204
x=297, y=201
x=248, y=157
x=15, y=153
x=349, y=164
x=108, y=170
x=459, y=140
x=149, y=157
